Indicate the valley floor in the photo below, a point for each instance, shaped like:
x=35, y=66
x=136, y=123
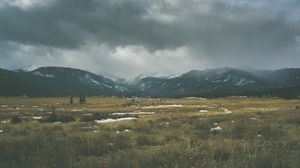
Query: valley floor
x=141, y=132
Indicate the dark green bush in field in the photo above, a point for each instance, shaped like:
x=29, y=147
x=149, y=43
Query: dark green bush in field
x=121, y=142
x=87, y=118
x=295, y=120
x=50, y=118
x=218, y=119
x=164, y=119
x=202, y=128
x=172, y=137
x=238, y=131
x=57, y=118
x=145, y=140
x=15, y=119
x=258, y=113
x=144, y=127
x=264, y=160
x=92, y=145
x=221, y=155
x=202, y=125
x=203, y=134
x=65, y=118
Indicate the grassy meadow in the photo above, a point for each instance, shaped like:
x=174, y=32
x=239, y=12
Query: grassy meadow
x=131, y=133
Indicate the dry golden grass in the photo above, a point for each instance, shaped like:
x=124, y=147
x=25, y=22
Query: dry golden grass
x=257, y=133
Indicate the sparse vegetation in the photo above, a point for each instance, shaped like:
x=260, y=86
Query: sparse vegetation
x=258, y=133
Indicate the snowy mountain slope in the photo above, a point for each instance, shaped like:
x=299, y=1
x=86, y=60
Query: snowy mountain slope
x=61, y=81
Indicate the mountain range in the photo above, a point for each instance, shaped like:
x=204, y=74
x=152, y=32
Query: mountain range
x=220, y=82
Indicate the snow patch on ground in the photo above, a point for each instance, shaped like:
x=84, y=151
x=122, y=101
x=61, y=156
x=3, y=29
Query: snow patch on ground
x=77, y=110
x=37, y=117
x=87, y=114
x=164, y=106
x=4, y=106
x=216, y=129
x=225, y=110
x=4, y=122
x=135, y=113
x=109, y=120
x=196, y=98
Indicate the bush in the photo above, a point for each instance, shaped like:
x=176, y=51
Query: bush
x=87, y=118
x=121, y=142
x=15, y=119
x=203, y=134
x=202, y=125
x=65, y=118
x=295, y=120
x=172, y=137
x=90, y=144
x=238, y=131
x=221, y=155
x=143, y=128
x=57, y=118
x=264, y=160
x=144, y=140
x=50, y=118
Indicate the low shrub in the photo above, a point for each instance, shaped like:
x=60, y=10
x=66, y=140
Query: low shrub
x=238, y=131
x=144, y=140
x=15, y=119
x=57, y=118
x=221, y=155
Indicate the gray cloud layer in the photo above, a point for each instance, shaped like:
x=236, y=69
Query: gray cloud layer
x=129, y=37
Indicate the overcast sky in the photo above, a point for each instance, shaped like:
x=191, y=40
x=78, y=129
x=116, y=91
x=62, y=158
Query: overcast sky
x=130, y=37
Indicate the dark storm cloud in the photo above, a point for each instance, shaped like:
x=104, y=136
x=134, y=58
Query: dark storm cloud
x=69, y=23
x=207, y=33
